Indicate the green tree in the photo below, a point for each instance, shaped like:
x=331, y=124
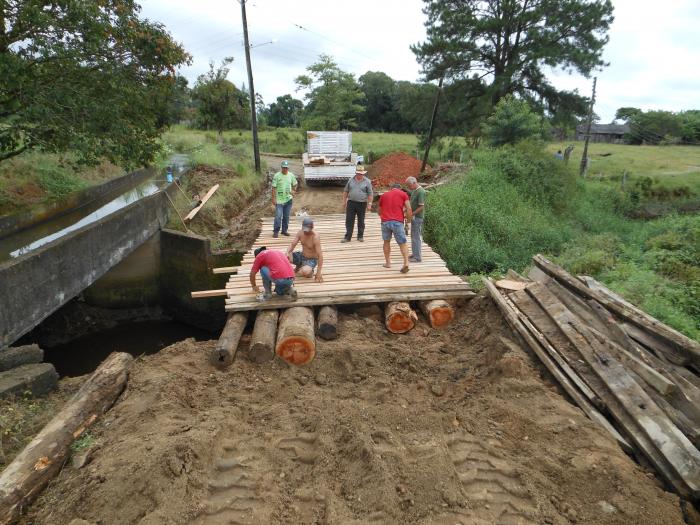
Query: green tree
x=286, y=112
x=334, y=97
x=627, y=113
x=220, y=104
x=380, y=113
x=655, y=127
x=175, y=103
x=507, y=43
x=512, y=121
x=87, y=76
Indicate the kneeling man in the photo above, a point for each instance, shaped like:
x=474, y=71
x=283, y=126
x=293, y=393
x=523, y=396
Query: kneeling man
x=310, y=256
x=274, y=268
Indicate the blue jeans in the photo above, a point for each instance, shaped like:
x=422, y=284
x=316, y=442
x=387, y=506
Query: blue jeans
x=281, y=285
x=282, y=212
x=395, y=228
x=416, y=237
x=299, y=260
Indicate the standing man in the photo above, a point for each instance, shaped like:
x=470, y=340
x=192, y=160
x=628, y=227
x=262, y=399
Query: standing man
x=394, y=207
x=274, y=268
x=310, y=256
x=284, y=184
x=357, y=199
x=418, y=208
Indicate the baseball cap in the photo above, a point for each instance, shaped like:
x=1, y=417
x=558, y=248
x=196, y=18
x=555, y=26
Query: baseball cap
x=307, y=224
x=258, y=250
x=285, y=164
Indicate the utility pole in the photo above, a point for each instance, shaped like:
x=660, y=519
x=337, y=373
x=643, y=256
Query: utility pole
x=432, y=125
x=253, y=118
x=584, y=158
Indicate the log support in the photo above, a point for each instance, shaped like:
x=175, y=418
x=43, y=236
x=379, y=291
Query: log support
x=399, y=317
x=296, y=342
x=328, y=322
x=439, y=313
x=223, y=354
x=262, y=342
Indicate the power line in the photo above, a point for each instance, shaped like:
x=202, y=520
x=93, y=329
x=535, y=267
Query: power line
x=331, y=40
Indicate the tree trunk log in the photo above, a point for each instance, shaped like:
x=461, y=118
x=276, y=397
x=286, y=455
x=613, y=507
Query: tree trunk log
x=399, y=317
x=43, y=458
x=440, y=313
x=262, y=343
x=225, y=351
x=328, y=322
x=296, y=342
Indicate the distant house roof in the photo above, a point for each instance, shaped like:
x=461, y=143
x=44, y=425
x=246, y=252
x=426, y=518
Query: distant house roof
x=605, y=129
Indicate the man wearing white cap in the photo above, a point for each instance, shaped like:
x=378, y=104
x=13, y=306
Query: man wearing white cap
x=283, y=185
x=310, y=256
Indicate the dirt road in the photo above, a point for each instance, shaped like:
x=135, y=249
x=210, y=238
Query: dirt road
x=447, y=427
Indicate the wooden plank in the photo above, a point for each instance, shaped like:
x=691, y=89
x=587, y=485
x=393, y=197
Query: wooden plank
x=357, y=289
x=226, y=269
x=661, y=441
x=655, y=344
x=208, y=293
x=508, y=284
x=509, y=312
x=354, y=284
x=690, y=348
x=341, y=298
x=195, y=210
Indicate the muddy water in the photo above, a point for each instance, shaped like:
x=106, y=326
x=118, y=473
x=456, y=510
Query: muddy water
x=30, y=239
x=84, y=354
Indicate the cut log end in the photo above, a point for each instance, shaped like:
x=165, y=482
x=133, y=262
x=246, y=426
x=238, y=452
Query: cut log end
x=399, y=318
x=297, y=350
x=439, y=313
x=328, y=322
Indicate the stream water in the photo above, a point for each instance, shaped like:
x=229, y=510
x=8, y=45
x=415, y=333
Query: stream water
x=83, y=354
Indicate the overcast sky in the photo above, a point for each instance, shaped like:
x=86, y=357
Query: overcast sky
x=654, y=49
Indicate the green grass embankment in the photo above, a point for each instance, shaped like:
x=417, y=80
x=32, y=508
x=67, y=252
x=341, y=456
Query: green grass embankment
x=515, y=202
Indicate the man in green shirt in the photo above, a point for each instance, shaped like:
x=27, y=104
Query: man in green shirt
x=284, y=184
x=418, y=208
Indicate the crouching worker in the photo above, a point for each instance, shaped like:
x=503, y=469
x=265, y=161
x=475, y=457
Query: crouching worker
x=274, y=268
x=310, y=257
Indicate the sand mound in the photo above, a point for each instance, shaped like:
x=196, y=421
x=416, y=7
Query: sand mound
x=432, y=427
x=393, y=168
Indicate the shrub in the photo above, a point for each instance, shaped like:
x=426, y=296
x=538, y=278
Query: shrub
x=59, y=182
x=512, y=121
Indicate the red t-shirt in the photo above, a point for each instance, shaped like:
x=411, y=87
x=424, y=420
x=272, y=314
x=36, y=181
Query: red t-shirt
x=276, y=261
x=392, y=205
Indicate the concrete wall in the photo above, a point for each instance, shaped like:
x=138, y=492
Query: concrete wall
x=186, y=265
x=34, y=286
x=10, y=224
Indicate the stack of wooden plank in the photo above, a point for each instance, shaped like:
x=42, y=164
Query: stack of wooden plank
x=635, y=376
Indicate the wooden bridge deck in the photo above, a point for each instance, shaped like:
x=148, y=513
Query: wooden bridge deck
x=352, y=272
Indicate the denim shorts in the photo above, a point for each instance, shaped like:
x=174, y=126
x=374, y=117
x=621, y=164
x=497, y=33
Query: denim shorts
x=299, y=260
x=396, y=228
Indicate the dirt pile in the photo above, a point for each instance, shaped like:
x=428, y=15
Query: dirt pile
x=455, y=426
x=393, y=168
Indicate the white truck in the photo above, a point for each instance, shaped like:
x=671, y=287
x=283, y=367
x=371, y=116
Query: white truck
x=329, y=157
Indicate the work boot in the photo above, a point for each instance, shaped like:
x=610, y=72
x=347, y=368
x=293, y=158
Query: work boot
x=360, y=239
x=286, y=234
x=291, y=294
x=344, y=240
x=264, y=296
x=275, y=234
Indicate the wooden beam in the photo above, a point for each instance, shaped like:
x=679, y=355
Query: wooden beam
x=43, y=458
x=208, y=293
x=196, y=209
x=625, y=310
x=511, y=317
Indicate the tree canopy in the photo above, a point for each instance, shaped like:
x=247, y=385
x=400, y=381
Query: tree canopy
x=512, y=121
x=87, y=76
x=220, y=104
x=505, y=44
x=285, y=112
x=334, y=97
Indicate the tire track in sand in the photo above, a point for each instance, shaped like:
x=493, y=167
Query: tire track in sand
x=490, y=483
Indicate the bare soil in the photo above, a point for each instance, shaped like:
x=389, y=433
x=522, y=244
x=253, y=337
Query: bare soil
x=439, y=427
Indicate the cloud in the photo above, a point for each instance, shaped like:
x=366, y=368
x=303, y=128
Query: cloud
x=653, y=49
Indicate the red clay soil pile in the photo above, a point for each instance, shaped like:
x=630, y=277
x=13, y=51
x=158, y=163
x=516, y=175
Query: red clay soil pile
x=394, y=168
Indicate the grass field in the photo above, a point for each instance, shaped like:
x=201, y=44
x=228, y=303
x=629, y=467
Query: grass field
x=669, y=166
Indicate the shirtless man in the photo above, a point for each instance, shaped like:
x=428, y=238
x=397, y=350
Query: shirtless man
x=310, y=256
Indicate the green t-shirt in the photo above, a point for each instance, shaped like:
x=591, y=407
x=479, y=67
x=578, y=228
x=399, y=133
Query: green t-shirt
x=283, y=186
x=417, y=199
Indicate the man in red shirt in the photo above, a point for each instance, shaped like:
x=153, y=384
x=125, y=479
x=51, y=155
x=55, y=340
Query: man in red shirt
x=274, y=267
x=394, y=207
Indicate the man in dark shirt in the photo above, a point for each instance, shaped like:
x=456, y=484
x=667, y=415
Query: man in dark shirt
x=357, y=199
